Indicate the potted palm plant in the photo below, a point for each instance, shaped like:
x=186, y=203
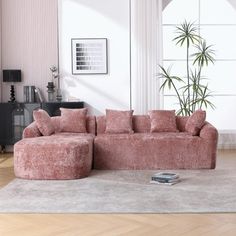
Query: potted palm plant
x=191, y=91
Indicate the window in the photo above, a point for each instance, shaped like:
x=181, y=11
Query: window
x=216, y=21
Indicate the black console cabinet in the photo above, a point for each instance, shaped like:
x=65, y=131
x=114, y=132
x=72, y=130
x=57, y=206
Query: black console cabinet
x=53, y=108
x=14, y=117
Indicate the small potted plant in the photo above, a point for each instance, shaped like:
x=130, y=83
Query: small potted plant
x=55, y=75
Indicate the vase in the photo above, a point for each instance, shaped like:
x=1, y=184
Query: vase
x=59, y=95
x=51, y=92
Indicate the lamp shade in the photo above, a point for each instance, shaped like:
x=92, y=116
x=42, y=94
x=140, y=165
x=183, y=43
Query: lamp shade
x=11, y=75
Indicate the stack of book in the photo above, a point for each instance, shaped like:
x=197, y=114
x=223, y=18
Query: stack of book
x=165, y=178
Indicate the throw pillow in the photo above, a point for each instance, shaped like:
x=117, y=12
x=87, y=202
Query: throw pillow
x=118, y=121
x=43, y=122
x=163, y=121
x=73, y=120
x=195, y=122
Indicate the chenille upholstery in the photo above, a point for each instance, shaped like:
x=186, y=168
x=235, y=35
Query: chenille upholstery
x=163, y=121
x=53, y=157
x=195, y=122
x=43, y=122
x=118, y=122
x=73, y=120
x=67, y=155
x=61, y=155
x=159, y=150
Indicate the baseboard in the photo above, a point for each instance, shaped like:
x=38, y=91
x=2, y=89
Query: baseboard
x=9, y=148
x=227, y=139
x=227, y=146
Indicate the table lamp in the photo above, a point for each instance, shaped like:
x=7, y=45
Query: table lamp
x=12, y=76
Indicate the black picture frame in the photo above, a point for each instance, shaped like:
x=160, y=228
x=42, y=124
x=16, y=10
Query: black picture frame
x=89, y=56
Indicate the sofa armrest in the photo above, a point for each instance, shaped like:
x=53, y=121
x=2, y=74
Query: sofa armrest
x=31, y=131
x=209, y=132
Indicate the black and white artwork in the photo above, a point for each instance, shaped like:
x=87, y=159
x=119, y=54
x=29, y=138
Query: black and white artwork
x=89, y=56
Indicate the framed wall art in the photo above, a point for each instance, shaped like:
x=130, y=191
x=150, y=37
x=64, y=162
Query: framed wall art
x=89, y=56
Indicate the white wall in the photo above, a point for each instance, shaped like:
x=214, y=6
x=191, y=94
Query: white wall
x=97, y=19
x=29, y=42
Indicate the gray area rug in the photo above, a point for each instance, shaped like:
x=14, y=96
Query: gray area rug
x=200, y=191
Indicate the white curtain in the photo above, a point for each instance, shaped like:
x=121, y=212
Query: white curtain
x=146, y=54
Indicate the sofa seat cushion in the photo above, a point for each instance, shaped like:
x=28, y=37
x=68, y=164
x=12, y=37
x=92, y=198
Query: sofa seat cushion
x=58, y=156
x=167, y=150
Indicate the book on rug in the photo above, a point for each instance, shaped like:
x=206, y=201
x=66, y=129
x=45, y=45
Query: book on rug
x=166, y=175
x=165, y=178
x=164, y=183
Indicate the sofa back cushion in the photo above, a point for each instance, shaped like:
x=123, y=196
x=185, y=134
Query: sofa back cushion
x=73, y=120
x=181, y=122
x=100, y=124
x=195, y=122
x=141, y=124
x=118, y=122
x=43, y=122
x=90, y=124
x=163, y=121
x=56, y=121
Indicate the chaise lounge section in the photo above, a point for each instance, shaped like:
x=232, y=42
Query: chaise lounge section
x=62, y=155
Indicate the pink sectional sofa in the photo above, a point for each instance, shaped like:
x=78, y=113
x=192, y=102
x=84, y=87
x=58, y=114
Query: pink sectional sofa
x=69, y=155
x=161, y=150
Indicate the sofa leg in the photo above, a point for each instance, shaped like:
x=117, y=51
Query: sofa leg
x=2, y=148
